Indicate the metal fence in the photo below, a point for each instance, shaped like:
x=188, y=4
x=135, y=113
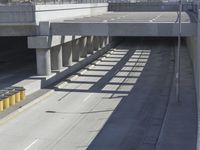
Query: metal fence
x=90, y=1
x=50, y=1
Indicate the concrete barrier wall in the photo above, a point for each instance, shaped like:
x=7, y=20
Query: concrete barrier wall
x=193, y=45
x=23, y=20
x=151, y=6
x=59, y=12
x=28, y=13
x=17, y=13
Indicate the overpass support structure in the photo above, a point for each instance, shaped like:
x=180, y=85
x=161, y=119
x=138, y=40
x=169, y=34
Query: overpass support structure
x=63, y=51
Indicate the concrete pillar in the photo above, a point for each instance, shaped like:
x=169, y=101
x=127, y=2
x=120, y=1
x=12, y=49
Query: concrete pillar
x=104, y=41
x=96, y=43
x=76, y=50
x=100, y=42
x=107, y=40
x=56, y=57
x=67, y=54
x=91, y=43
x=43, y=62
x=84, y=47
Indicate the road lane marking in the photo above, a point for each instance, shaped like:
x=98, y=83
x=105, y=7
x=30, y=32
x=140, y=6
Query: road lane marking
x=24, y=108
x=30, y=145
x=155, y=18
x=87, y=97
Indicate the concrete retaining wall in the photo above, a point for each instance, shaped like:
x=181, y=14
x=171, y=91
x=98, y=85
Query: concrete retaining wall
x=193, y=45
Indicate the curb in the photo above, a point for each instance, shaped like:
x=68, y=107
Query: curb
x=24, y=108
x=35, y=101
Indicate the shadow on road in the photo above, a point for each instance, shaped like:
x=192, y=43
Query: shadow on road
x=140, y=72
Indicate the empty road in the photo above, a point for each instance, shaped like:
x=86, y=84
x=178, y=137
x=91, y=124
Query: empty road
x=120, y=102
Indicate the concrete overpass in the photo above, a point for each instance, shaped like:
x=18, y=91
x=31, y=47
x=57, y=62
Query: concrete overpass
x=111, y=89
x=153, y=24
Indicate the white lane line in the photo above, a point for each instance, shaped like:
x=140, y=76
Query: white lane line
x=155, y=18
x=87, y=97
x=30, y=145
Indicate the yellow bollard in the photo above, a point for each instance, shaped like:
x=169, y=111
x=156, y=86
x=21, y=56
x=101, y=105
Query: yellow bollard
x=6, y=102
x=22, y=92
x=12, y=99
x=17, y=97
x=11, y=96
x=1, y=102
x=1, y=105
x=22, y=95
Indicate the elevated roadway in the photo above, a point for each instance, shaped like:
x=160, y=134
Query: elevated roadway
x=119, y=102
x=154, y=24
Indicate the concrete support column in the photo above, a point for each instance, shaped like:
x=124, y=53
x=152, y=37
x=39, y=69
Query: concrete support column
x=107, y=40
x=84, y=47
x=43, y=59
x=56, y=57
x=75, y=50
x=104, y=41
x=91, y=45
x=67, y=54
x=101, y=41
x=96, y=43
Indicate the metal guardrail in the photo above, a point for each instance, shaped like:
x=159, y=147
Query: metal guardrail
x=50, y=1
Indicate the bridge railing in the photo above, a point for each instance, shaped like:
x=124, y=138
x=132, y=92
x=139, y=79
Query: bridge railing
x=50, y=1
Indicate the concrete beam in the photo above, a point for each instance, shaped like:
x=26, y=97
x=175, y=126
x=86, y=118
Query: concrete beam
x=49, y=41
x=22, y=29
x=123, y=29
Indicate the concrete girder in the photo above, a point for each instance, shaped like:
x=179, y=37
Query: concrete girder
x=123, y=29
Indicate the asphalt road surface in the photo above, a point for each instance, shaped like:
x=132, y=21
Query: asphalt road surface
x=118, y=103
x=132, y=17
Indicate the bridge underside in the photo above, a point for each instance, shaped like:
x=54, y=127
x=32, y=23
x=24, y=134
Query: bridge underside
x=152, y=24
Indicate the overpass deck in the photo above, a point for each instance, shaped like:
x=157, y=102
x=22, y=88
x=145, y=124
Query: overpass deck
x=126, y=24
